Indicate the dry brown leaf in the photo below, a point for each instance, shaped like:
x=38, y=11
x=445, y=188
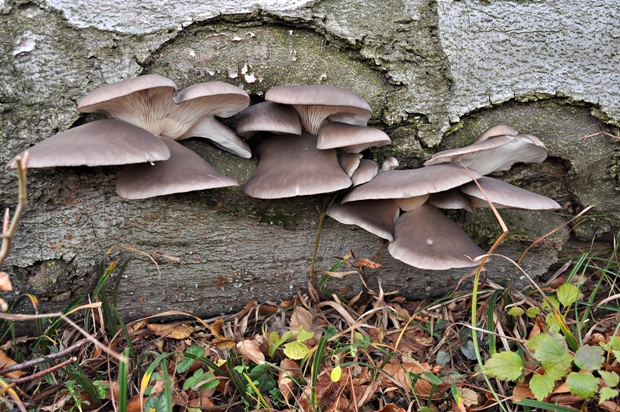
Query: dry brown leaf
x=203, y=401
x=391, y=407
x=610, y=406
x=5, y=282
x=223, y=343
x=173, y=330
x=470, y=397
x=134, y=404
x=289, y=370
x=249, y=349
x=5, y=362
x=522, y=391
x=301, y=317
x=367, y=263
x=422, y=388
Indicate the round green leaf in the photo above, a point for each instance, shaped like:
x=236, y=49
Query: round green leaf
x=568, y=294
x=584, y=385
x=589, y=358
x=504, y=365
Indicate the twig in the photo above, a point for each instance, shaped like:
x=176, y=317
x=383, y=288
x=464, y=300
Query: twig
x=34, y=362
x=43, y=372
x=8, y=230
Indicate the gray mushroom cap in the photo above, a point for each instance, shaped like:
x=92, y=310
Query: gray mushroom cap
x=349, y=162
x=316, y=104
x=185, y=171
x=494, y=155
x=291, y=165
x=100, y=143
x=268, y=117
x=497, y=130
x=375, y=216
x=350, y=138
x=366, y=171
x=220, y=135
x=505, y=195
x=401, y=184
x=425, y=238
x=451, y=199
x=412, y=203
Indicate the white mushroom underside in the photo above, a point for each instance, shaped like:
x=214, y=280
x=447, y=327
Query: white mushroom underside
x=313, y=117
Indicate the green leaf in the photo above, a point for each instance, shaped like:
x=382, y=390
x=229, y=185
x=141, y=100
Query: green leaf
x=557, y=371
x=606, y=394
x=550, y=348
x=303, y=335
x=274, y=341
x=610, y=378
x=532, y=311
x=613, y=344
x=200, y=376
x=541, y=386
x=554, y=303
x=443, y=357
x=469, y=350
x=157, y=403
x=568, y=294
x=331, y=331
x=589, y=358
x=296, y=350
x=262, y=377
x=504, y=365
x=186, y=363
x=516, y=311
x=584, y=385
x=336, y=374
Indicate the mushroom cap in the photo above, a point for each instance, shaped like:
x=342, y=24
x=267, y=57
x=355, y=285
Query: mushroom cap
x=389, y=163
x=505, y=195
x=349, y=162
x=494, y=155
x=319, y=102
x=497, y=130
x=412, y=203
x=452, y=199
x=185, y=171
x=270, y=117
x=211, y=99
x=100, y=143
x=375, y=216
x=220, y=135
x=99, y=99
x=365, y=172
x=350, y=138
x=291, y=165
x=401, y=184
x=425, y=238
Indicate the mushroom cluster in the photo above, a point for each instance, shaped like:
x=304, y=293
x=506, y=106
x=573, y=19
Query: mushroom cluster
x=147, y=115
x=421, y=235
x=311, y=139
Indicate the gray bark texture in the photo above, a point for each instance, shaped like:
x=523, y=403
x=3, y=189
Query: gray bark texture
x=436, y=73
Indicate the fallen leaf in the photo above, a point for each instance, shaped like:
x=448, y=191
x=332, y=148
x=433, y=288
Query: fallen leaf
x=173, y=331
x=301, y=317
x=399, y=373
x=367, y=263
x=289, y=370
x=610, y=406
x=522, y=391
x=5, y=362
x=391, y=407
x=249, y=349
x=5, y=282
x=470, y=397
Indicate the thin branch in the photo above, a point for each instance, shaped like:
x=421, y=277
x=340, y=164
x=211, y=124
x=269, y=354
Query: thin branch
x=34, y=362
x=8, y=230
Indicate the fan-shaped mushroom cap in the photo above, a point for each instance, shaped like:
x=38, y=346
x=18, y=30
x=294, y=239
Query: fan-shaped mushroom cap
x=401, y=184
x=350, y=138
x=318, y=103
x=497, y=130
x=505, y=195
x=349, y=162
x=412, y=203
x=366, y=171
x=291, y=165
x=493, y=155
x=451, y=199
x=375, y=216
x=427, y=239
x=220, y=135
x=100, y=143
x=185, y=171
x=143, y=101
x=389, y=163
x=269, y=117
